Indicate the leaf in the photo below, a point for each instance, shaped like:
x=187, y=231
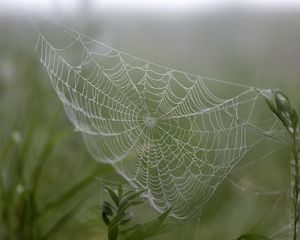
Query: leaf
x=269, y=96
x=126, y=201
x=61, y=222
x=113, y=195
x=105, y=218
x=44, y=155
x=165, y=214
x=69, y=193
x=282, y=102
x=167, y=227
x=120, y=191
x=126, y=218
x=250, y=236
x=107, y=208
x=151, y=228
x=123, y=202
x=289, y=114
x=129, y=229
x=281, y=106
x=135, y=203
x=294, y=118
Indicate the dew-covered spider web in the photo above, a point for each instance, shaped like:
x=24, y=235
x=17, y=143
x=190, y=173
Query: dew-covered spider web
x=176, y=134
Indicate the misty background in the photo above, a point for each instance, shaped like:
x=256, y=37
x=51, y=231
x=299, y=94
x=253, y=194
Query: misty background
x=254, y=46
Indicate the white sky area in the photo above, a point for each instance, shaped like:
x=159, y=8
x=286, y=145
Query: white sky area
x=173, y=5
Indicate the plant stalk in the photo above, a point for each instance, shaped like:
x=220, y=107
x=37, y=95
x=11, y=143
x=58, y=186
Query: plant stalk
x=295, y=188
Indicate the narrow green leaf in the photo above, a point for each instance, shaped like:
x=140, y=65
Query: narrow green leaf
x=269, y=96
x=280, y=105
x=151, y=228
x=120, y=191
x=282, y=102
x=251, y=236
x=107, y=208
x=58, y=224
x=165, y=214
x=135, y=203
x=126, y=201
x=113, y=195
x=130, y=229
x=105, y=218
x=294, y=118
x=70, y=193
x=166, y=227
x=126, y=218
x=38, y=168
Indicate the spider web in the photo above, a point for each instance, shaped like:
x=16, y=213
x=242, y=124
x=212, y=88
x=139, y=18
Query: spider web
x=176, y=134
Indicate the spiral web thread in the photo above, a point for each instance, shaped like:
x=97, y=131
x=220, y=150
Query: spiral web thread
x=176, y=134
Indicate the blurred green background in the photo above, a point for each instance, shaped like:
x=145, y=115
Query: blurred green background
x=252, y=47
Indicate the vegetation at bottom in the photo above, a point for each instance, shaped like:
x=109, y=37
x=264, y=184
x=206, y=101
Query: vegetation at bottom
x=117, y=217
x=30, y=207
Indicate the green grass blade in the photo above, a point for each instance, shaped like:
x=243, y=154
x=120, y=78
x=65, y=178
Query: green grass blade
x=71, y=192
x=113, y=195
x=61, y=222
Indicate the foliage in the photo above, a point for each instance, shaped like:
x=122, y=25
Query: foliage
x=251, y=236
x=24, y=214
x=281, y=106
x=116, y=214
